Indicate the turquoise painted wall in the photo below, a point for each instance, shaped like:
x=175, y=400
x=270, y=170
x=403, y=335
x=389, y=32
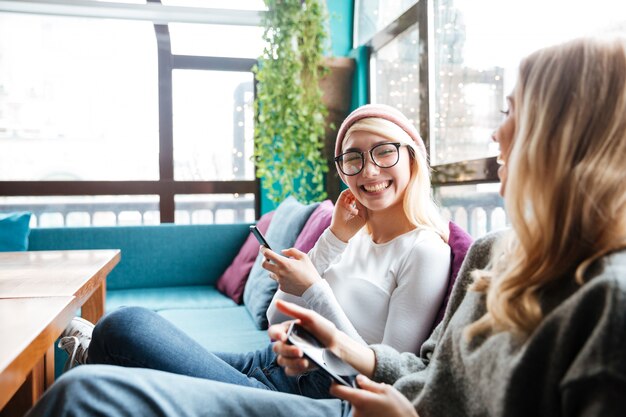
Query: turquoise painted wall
x=360, y=94
x=340, y=14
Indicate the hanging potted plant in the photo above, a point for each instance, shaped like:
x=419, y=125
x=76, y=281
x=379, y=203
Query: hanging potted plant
x=290, y=127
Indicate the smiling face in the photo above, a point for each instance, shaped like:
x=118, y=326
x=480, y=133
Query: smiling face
x=504, y=137
x=377, y=188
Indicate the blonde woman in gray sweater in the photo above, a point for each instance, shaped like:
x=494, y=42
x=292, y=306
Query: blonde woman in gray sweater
x=539, y=327
x=537, y=321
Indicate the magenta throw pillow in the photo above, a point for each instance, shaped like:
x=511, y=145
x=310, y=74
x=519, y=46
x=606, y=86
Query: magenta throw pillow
x=459, y=242
x=233, y=280
x=315, y=225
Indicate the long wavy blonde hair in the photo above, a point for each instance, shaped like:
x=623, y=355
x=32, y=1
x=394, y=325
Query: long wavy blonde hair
x=566, y=187
x=418, y=204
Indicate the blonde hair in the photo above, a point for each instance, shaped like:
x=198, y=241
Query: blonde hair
x=566, y=188
x=419, y=206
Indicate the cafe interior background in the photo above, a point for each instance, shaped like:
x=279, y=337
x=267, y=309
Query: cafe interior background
x=130, y=148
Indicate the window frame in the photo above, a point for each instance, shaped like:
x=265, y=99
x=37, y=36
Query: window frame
x=165, y=187
x=467, y=172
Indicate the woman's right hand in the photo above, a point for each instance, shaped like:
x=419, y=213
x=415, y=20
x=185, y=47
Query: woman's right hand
x=349, y=216
x=291, y=357
x=374, y=399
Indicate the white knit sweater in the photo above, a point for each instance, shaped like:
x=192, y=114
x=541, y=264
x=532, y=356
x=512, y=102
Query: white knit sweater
x=377, y=293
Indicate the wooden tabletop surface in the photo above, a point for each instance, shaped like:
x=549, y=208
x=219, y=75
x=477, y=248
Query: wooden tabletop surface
x=28, y=327
x=53, y=273
x=40, y=291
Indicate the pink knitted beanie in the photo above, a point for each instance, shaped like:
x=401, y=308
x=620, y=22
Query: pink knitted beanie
x=380, y=111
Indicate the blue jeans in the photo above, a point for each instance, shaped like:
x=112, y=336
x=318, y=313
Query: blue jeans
x=139, y=338
x=159, y=370
x=114, y=391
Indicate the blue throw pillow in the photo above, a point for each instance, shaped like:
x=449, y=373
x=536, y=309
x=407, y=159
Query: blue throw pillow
x=288, y=221
x=14, y=230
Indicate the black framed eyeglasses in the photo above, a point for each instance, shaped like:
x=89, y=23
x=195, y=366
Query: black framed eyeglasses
x=384, y=155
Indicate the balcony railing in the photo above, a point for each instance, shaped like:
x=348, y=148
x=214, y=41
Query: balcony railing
x=46, y=214
x=478, y=213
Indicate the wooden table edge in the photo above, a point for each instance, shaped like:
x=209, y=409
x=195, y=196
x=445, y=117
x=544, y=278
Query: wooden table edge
x=22, y=365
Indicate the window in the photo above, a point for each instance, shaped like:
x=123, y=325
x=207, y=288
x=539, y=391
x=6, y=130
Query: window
x=395, y=74
x=466, y=66
x=109, y=120
x=73, y=106
x=373, y=16
x=218, y=106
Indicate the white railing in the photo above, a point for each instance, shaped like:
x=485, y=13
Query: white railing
x=478, y=213
x=58, y=214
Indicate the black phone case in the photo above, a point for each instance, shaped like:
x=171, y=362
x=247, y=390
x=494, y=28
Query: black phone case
x=259, y=236
x=322, y=366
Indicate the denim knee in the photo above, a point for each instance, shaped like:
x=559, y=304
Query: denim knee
x=114, y=329
x=121, y=318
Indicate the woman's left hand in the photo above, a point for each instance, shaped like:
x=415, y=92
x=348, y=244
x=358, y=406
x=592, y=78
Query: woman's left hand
x=294, y=274
x=374, y=399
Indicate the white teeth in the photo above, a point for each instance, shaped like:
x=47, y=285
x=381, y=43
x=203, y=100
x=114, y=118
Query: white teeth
x=372, y=188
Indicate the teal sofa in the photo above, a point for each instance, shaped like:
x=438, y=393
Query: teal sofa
x=171, y=269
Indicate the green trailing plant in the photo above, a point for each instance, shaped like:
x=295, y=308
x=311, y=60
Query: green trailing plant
x=289, y=132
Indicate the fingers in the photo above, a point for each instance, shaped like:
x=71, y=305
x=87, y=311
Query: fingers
x=369, y=391
x=279, y=331
x=270, y=254
x=294, y=253
x=344, y=194
x=349, y=202
x=346, y=198
x=266, y=264
x=288, y=356
x=273, y=262
x=287, y=352
x=357, y=397
x=347, y=193
x=369, y=385
x=343, y=392
x=293, y=365
x=294, y=310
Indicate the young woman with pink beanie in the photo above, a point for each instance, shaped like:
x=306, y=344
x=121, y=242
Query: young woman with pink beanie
x=380, y=271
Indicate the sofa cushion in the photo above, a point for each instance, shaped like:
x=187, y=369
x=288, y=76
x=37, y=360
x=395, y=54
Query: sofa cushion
x=156, y=299
x=14, y=230
x=315, y=225
x=284, y=229
x=233, y=280
x=220, y=330
x=459, y=242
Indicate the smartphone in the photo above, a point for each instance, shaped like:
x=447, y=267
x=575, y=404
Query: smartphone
x=259, y=236
x=326, y=361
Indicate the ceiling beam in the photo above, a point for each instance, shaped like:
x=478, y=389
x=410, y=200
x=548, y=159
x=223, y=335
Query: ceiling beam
x=153, y=12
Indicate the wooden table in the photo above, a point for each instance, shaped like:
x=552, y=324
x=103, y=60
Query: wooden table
x=40, y=292
x=29, y=328
x=78, y=273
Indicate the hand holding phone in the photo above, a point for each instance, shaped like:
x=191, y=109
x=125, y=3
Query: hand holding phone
x=259, y=236
x=327, y=361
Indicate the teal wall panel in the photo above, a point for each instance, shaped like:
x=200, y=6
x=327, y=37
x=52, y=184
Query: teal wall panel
x=341, y=14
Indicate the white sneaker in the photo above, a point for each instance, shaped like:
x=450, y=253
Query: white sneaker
x=75, y=340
